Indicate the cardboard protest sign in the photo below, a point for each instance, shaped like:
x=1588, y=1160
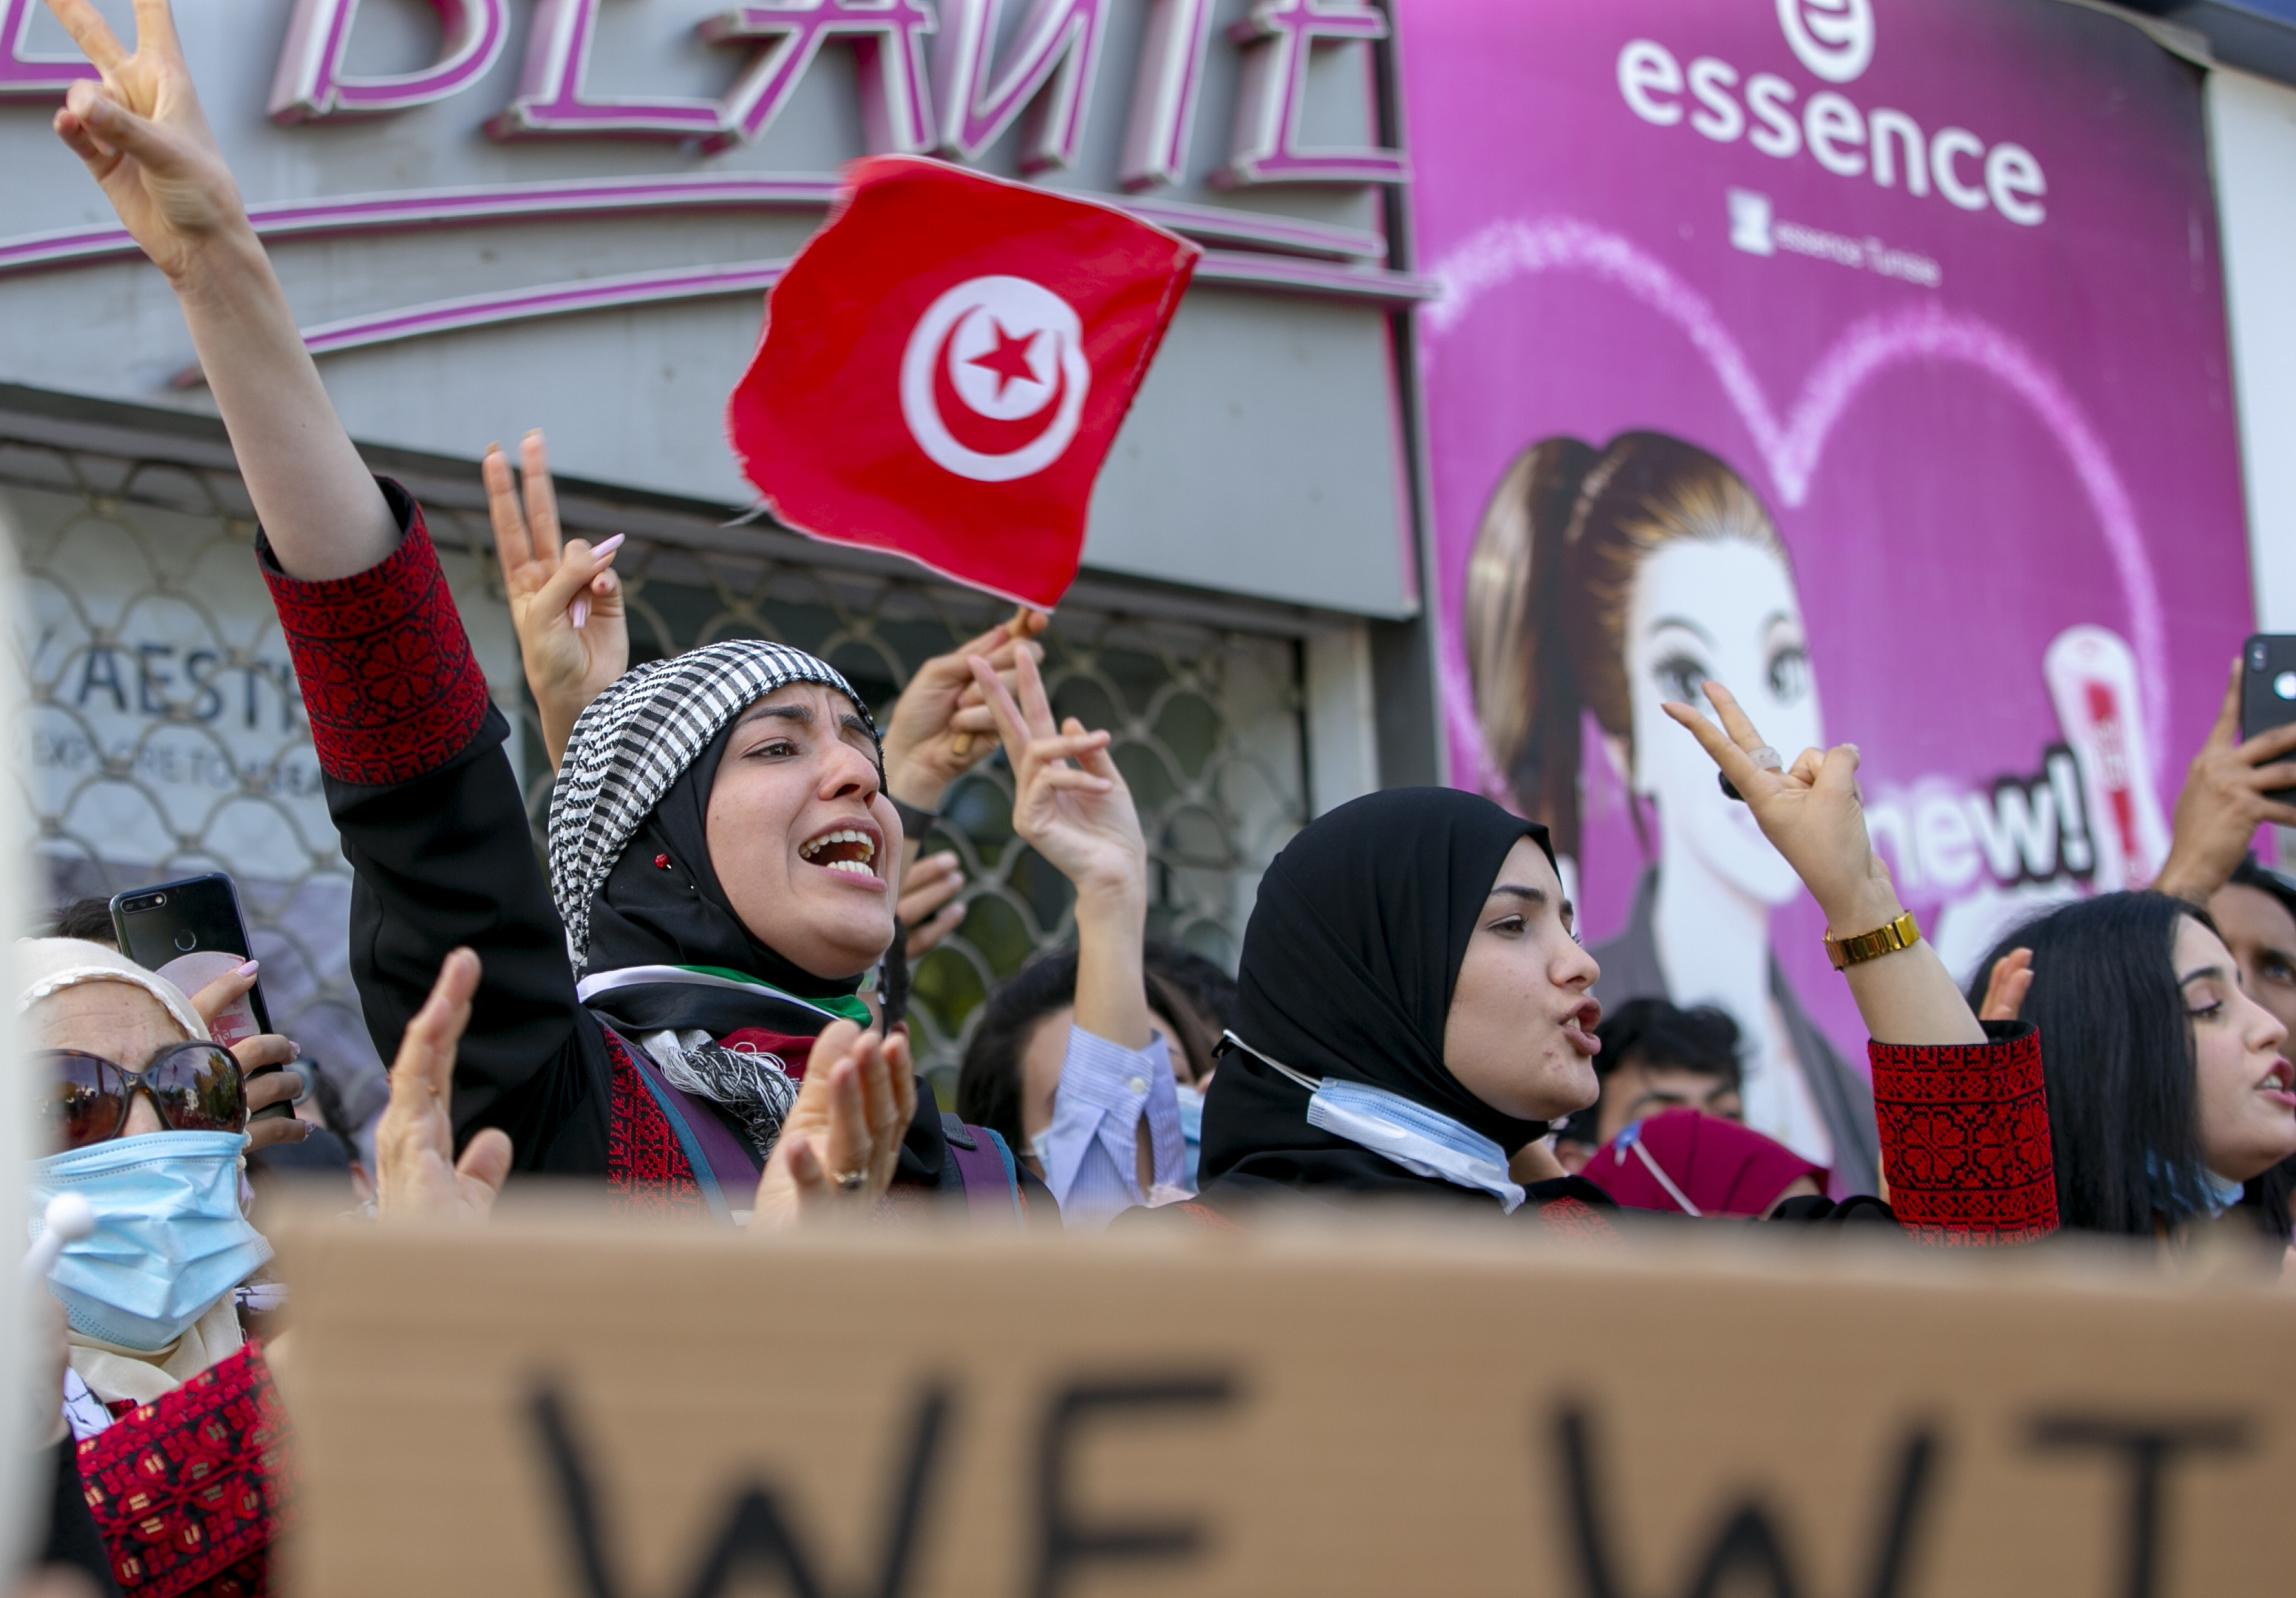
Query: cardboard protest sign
x=945, y=365
x=603, y=1411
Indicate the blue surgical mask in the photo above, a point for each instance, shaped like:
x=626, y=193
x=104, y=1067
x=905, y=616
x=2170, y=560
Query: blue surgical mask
x=1424, y=1141
x=170, y=1238
x=2179, y=1192
x=1191, y=1126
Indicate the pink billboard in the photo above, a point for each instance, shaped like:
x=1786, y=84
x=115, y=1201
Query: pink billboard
x=1868, y=356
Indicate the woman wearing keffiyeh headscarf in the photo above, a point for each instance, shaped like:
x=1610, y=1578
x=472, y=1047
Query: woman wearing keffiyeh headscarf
x=723, y=846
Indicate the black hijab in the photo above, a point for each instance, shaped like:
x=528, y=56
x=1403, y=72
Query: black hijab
x=1350, y=962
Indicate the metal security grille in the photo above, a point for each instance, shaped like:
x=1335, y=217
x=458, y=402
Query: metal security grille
x=165, y=736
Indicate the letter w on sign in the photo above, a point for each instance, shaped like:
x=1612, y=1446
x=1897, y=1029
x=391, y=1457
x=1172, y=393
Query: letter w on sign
x=944, y=368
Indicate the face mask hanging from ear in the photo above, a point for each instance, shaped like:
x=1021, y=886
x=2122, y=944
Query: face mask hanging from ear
x=169, y=1236
x=1423, y=1142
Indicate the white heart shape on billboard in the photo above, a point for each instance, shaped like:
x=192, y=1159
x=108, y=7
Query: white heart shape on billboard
x=994, y=379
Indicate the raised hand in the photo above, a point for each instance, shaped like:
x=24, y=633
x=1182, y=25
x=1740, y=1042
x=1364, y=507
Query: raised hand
x=147, y=143
x=145, y=138
x=1078, y=815
x=842, y=1141
x=929, y=906
x=2225, y=799
x=940, y=727
x=416, y=1172
x=565, y=599
x=1810, y=812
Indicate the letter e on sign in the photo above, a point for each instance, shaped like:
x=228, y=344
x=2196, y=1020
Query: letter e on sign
x=1836, y=133
x=1645, y=70
x=2014, y=179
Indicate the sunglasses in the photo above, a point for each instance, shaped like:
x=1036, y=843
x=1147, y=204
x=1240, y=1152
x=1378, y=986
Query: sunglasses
x=195, y=1086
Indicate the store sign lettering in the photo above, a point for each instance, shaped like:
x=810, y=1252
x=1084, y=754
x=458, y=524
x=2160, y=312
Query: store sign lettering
x=933, y=81
x=1835, y=41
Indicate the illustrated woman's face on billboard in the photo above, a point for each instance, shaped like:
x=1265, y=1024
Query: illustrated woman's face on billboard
x=1719, y=609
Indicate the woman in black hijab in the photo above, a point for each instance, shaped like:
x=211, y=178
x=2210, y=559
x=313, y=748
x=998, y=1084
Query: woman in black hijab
x=1414, y=1006
x=1413, y=1009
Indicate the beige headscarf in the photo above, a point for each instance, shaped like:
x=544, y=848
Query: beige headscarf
x=47, y=965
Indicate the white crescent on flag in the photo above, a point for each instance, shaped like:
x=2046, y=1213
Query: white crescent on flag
x=994, y=379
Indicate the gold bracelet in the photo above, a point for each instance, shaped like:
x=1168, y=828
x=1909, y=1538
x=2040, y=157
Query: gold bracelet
x=1902, y=933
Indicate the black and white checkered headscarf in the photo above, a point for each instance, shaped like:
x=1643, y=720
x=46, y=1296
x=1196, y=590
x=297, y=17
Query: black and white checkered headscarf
x=638, y=737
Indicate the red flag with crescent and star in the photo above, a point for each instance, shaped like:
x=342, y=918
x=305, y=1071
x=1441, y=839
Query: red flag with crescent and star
x=945, y=365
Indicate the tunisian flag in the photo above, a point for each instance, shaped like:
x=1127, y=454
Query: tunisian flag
x=943, y=367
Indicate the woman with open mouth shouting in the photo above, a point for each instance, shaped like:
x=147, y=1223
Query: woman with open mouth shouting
x=723, y=849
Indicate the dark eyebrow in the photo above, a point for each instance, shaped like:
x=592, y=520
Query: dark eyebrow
x=1533, y=896
x=800, y=714
x=850, y=723
x=2207, y=970
x=1686, y=625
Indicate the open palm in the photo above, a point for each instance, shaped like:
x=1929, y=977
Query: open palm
x=143, y=136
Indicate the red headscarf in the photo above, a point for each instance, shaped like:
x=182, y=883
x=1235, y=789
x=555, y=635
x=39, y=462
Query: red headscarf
x=1719, y=1167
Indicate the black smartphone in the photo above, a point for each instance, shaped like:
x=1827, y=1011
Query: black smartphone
x=191, y=932
x=2267, y=691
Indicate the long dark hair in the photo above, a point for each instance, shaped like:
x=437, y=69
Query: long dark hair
x=1195, y=995
x=1548, y=586
x=2116, y=1058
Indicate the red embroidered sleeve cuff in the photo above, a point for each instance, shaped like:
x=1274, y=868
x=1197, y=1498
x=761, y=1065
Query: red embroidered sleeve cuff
x=1965, y=1138
x=195, y=1484
x=388, y=678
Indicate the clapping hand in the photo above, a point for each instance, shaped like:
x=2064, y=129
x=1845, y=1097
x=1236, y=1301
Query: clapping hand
x=840, y=1142
x=416, y=1172
x=565, y=600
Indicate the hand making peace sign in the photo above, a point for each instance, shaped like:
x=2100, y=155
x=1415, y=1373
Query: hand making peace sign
x=565, y=601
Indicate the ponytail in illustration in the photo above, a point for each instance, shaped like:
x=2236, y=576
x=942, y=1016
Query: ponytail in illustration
x=1605, y=582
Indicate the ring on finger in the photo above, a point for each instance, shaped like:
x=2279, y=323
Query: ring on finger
x=852, y=1182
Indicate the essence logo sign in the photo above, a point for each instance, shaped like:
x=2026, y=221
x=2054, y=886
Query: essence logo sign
x=1833, y=39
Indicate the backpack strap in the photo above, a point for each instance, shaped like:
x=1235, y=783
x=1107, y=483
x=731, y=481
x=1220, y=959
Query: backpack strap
x=986, y=1170
x=721, y=1168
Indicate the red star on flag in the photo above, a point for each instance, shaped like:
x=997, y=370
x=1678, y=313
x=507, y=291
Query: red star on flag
x=1009, y=360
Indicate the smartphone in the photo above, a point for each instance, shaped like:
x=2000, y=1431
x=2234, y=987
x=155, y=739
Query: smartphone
x=2267, y=689
x=191, y=932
